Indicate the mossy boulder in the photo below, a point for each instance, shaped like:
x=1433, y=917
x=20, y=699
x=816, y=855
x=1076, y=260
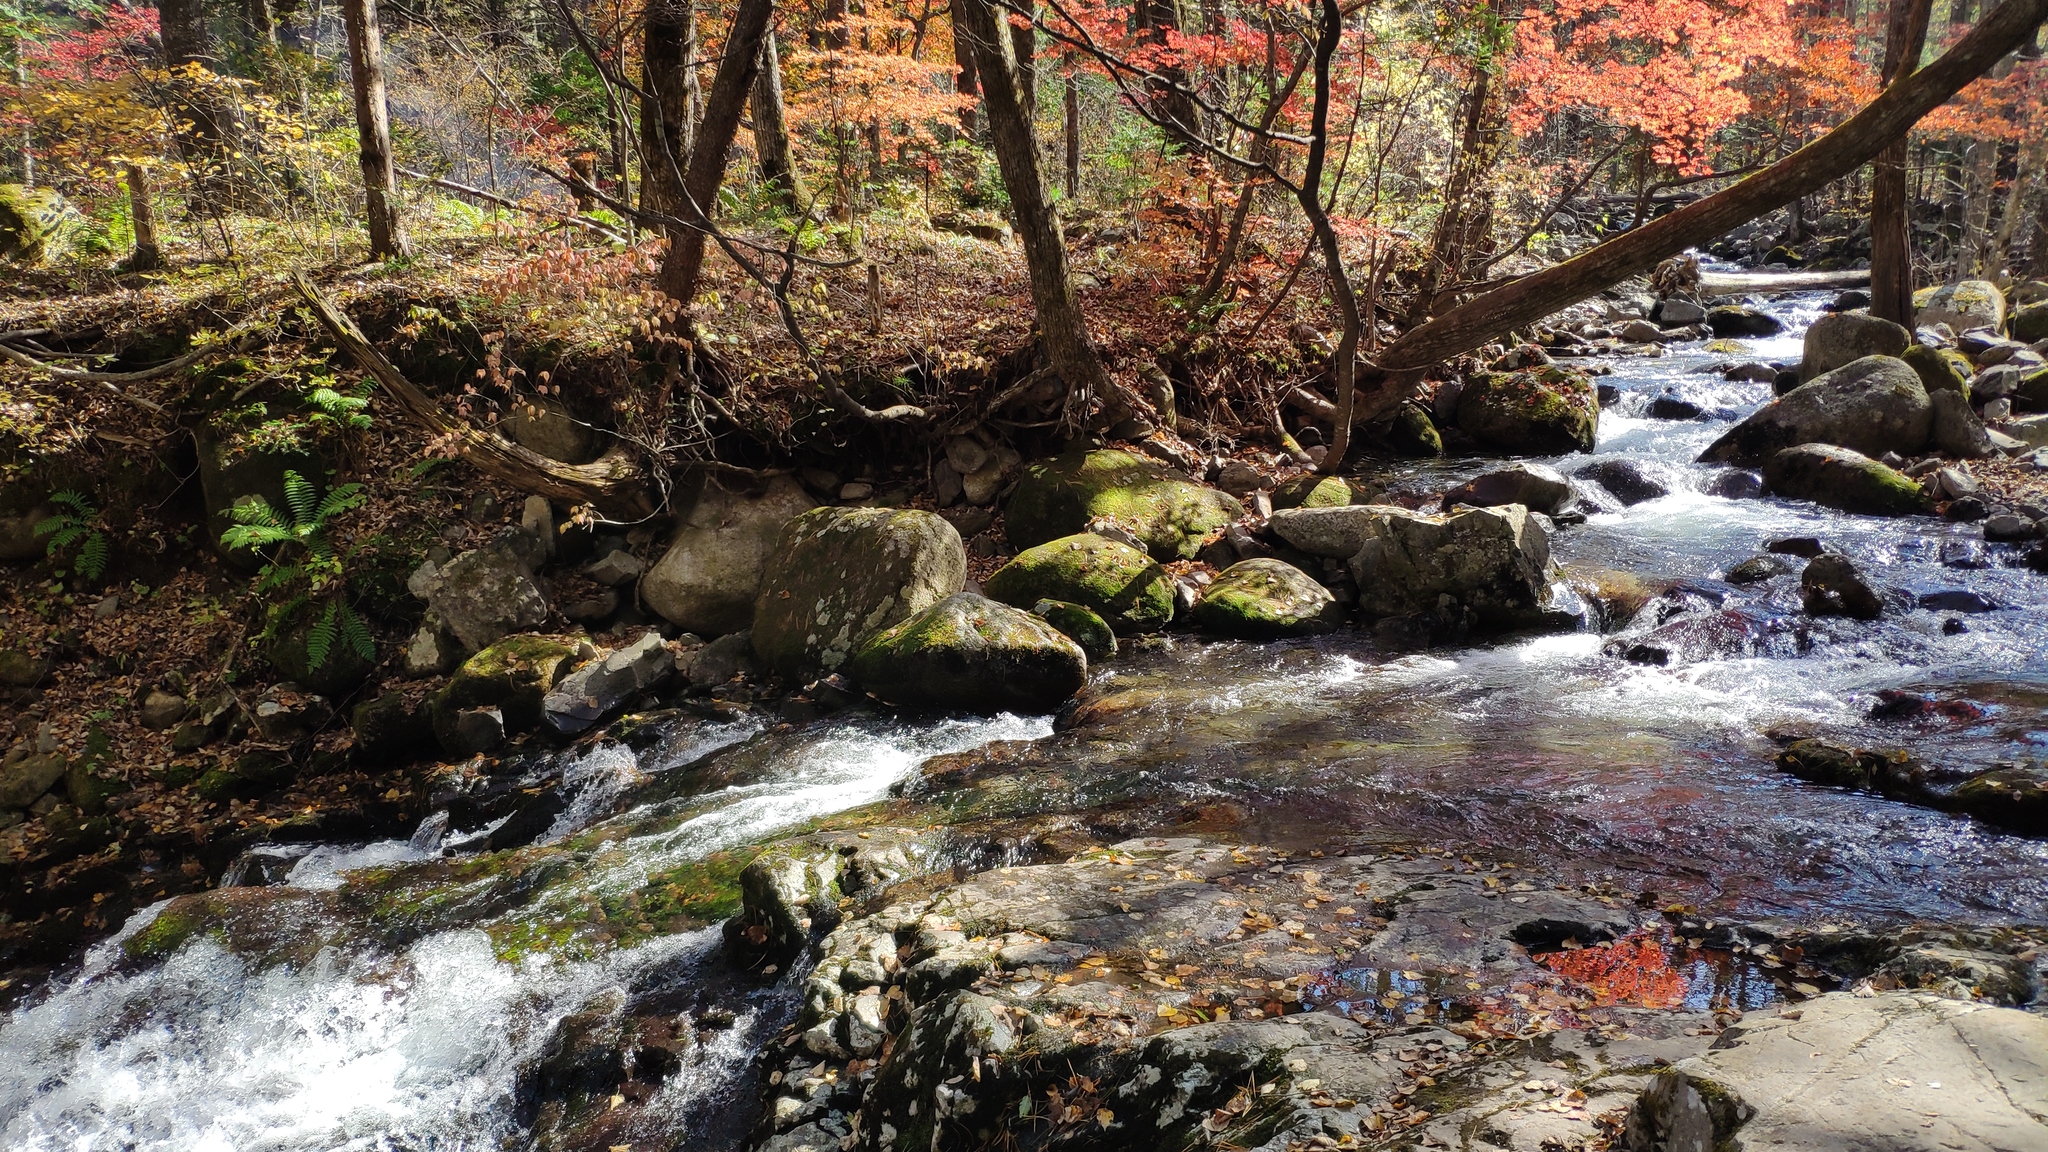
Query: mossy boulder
x=1940, y=368
x=1543, y=411
x=33, y=222
x=390, y=730
x=2014, y=798
x=1873, y=406
x=513, y=676
x=969, y=652
x=1081, y=624
x=1267, y=600
x=1124, y=586
x=1323, y=492
x=1169, y=514
x=1843, y=479
x=246, y=777
x=838, y=576
x=2030, y=323
x=710, y=576
x=1845, y=337
x=1962, y=306
x=1414, y=434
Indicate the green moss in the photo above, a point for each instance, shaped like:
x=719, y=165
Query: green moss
x=1267, y=599
x=1113, y=579
x=1060, y=496
x=513, y=675
x=178, y=922
x=1324, y=492
x=1081, y=624
x=1728, y=348
x=1940, y=368
x=1414, y=434
x=1543, y=410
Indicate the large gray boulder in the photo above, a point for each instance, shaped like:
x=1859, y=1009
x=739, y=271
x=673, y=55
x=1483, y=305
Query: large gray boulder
x=486, y=594
x=1544, y=411
x=1962, y=306
x=1493, y=562
x=972, y=653
x=1840, y=338
x=1874, y=405
x=838, y=576
x=1898, y=1071
x=1956, y=429
x=1839, y=478
x=708, y=579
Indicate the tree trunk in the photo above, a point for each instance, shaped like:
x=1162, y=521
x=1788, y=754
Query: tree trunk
x=373, y=129
x=1459, y=224
x=1344, y=363
x=204, y=121
x=730, y=88
x=1891, y=227
x=148, y=253
x=771, y=130
x=1157, y=19
x=1062, y=329
x=1803, y=173
x=967, y=81
x=1073, y=127
x=668, y=51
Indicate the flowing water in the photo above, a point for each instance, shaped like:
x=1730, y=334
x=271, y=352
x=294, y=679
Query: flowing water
x=314, y=1023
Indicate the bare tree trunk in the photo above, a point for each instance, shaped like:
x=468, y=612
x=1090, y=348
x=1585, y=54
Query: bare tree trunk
x=1461, y=219
x=1073, y=126
x=1344, y=363
x=1891, y=229
x=1833, y=156
x=204, y=122
x=1170, y=100
x=148, y=253
x=1062, y=328
x=373, y=129
x=668, y=52
x=771, y=129
x=967, y=80
x=730, y=88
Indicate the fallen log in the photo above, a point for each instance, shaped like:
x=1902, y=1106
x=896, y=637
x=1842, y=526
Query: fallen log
x=616, y=484
x=1737, y=283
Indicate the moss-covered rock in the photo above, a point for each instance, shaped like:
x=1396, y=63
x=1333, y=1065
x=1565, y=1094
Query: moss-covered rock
x=1169, y=514
x=2030, y=323
x=248, y=776
x=1873, y=405
x=1823, y=763
x=1940, y=368
x=1962, y=306
x=1081, y=624
x=1267, y=600
x=1414, y=434
x=2014, y=798
x=1123, y=585
x=33, y=222
x=1324, y=492
x=1542, y=411
x=972, y=653
x=513, y=676
x=838, y=576
x=1843, y=479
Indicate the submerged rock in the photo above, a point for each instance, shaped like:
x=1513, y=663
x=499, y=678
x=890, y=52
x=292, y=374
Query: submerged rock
x=2013, y=798
x=1124, y=586
x=1845, y=337
x=1839, y=478
x=1873, y=405
x=1626, y=480
x=1058, y=497
x=710, y=575
x=1266, y=600
x=972, y=653
x=839, y=576
x=1537, y=411
x=1536, y=486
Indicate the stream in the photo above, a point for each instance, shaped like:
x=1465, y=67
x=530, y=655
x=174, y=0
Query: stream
x=392, y=997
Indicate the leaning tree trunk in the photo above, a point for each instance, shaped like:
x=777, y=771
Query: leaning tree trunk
x=1891, y=226
x=730, y=88
x=148, y=254
x=1344, y=364
x=373, y=129
x=668, y=51
x=1833, y=156
x=1061, y=327
x=771, y=130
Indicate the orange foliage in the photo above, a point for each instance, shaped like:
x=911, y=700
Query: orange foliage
x=1633, y=970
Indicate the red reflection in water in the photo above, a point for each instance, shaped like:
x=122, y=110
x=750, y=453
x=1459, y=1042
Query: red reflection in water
x=1635, y=969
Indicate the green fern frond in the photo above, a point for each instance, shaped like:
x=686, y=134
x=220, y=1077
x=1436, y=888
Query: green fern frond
x=343, y=498
x=92, y=558
x=254, y=536
x=357, y=634
x=75, y=500
x=320, y=637
x=64, y=534
x=299, y=493
x=256, y=512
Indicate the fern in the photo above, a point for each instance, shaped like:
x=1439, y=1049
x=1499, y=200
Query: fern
x=76, y=523
x=320, y=637
x=304, y=568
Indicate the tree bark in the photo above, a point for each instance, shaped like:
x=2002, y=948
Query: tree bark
x=373, y=130
x=1156, y=19
x=730, y=88
x=1461, y=223
x=1073, y=132
x=1803, y=173
x=1062, y=328
x=1891, y=229
x=148, y=254
x=668, y=50
x=204, y=122
x=967, y=80
x=1344, y=362
x=771, y=130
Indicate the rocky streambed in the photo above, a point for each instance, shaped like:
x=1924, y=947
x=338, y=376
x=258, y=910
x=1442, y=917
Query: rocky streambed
x=1500, y=828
